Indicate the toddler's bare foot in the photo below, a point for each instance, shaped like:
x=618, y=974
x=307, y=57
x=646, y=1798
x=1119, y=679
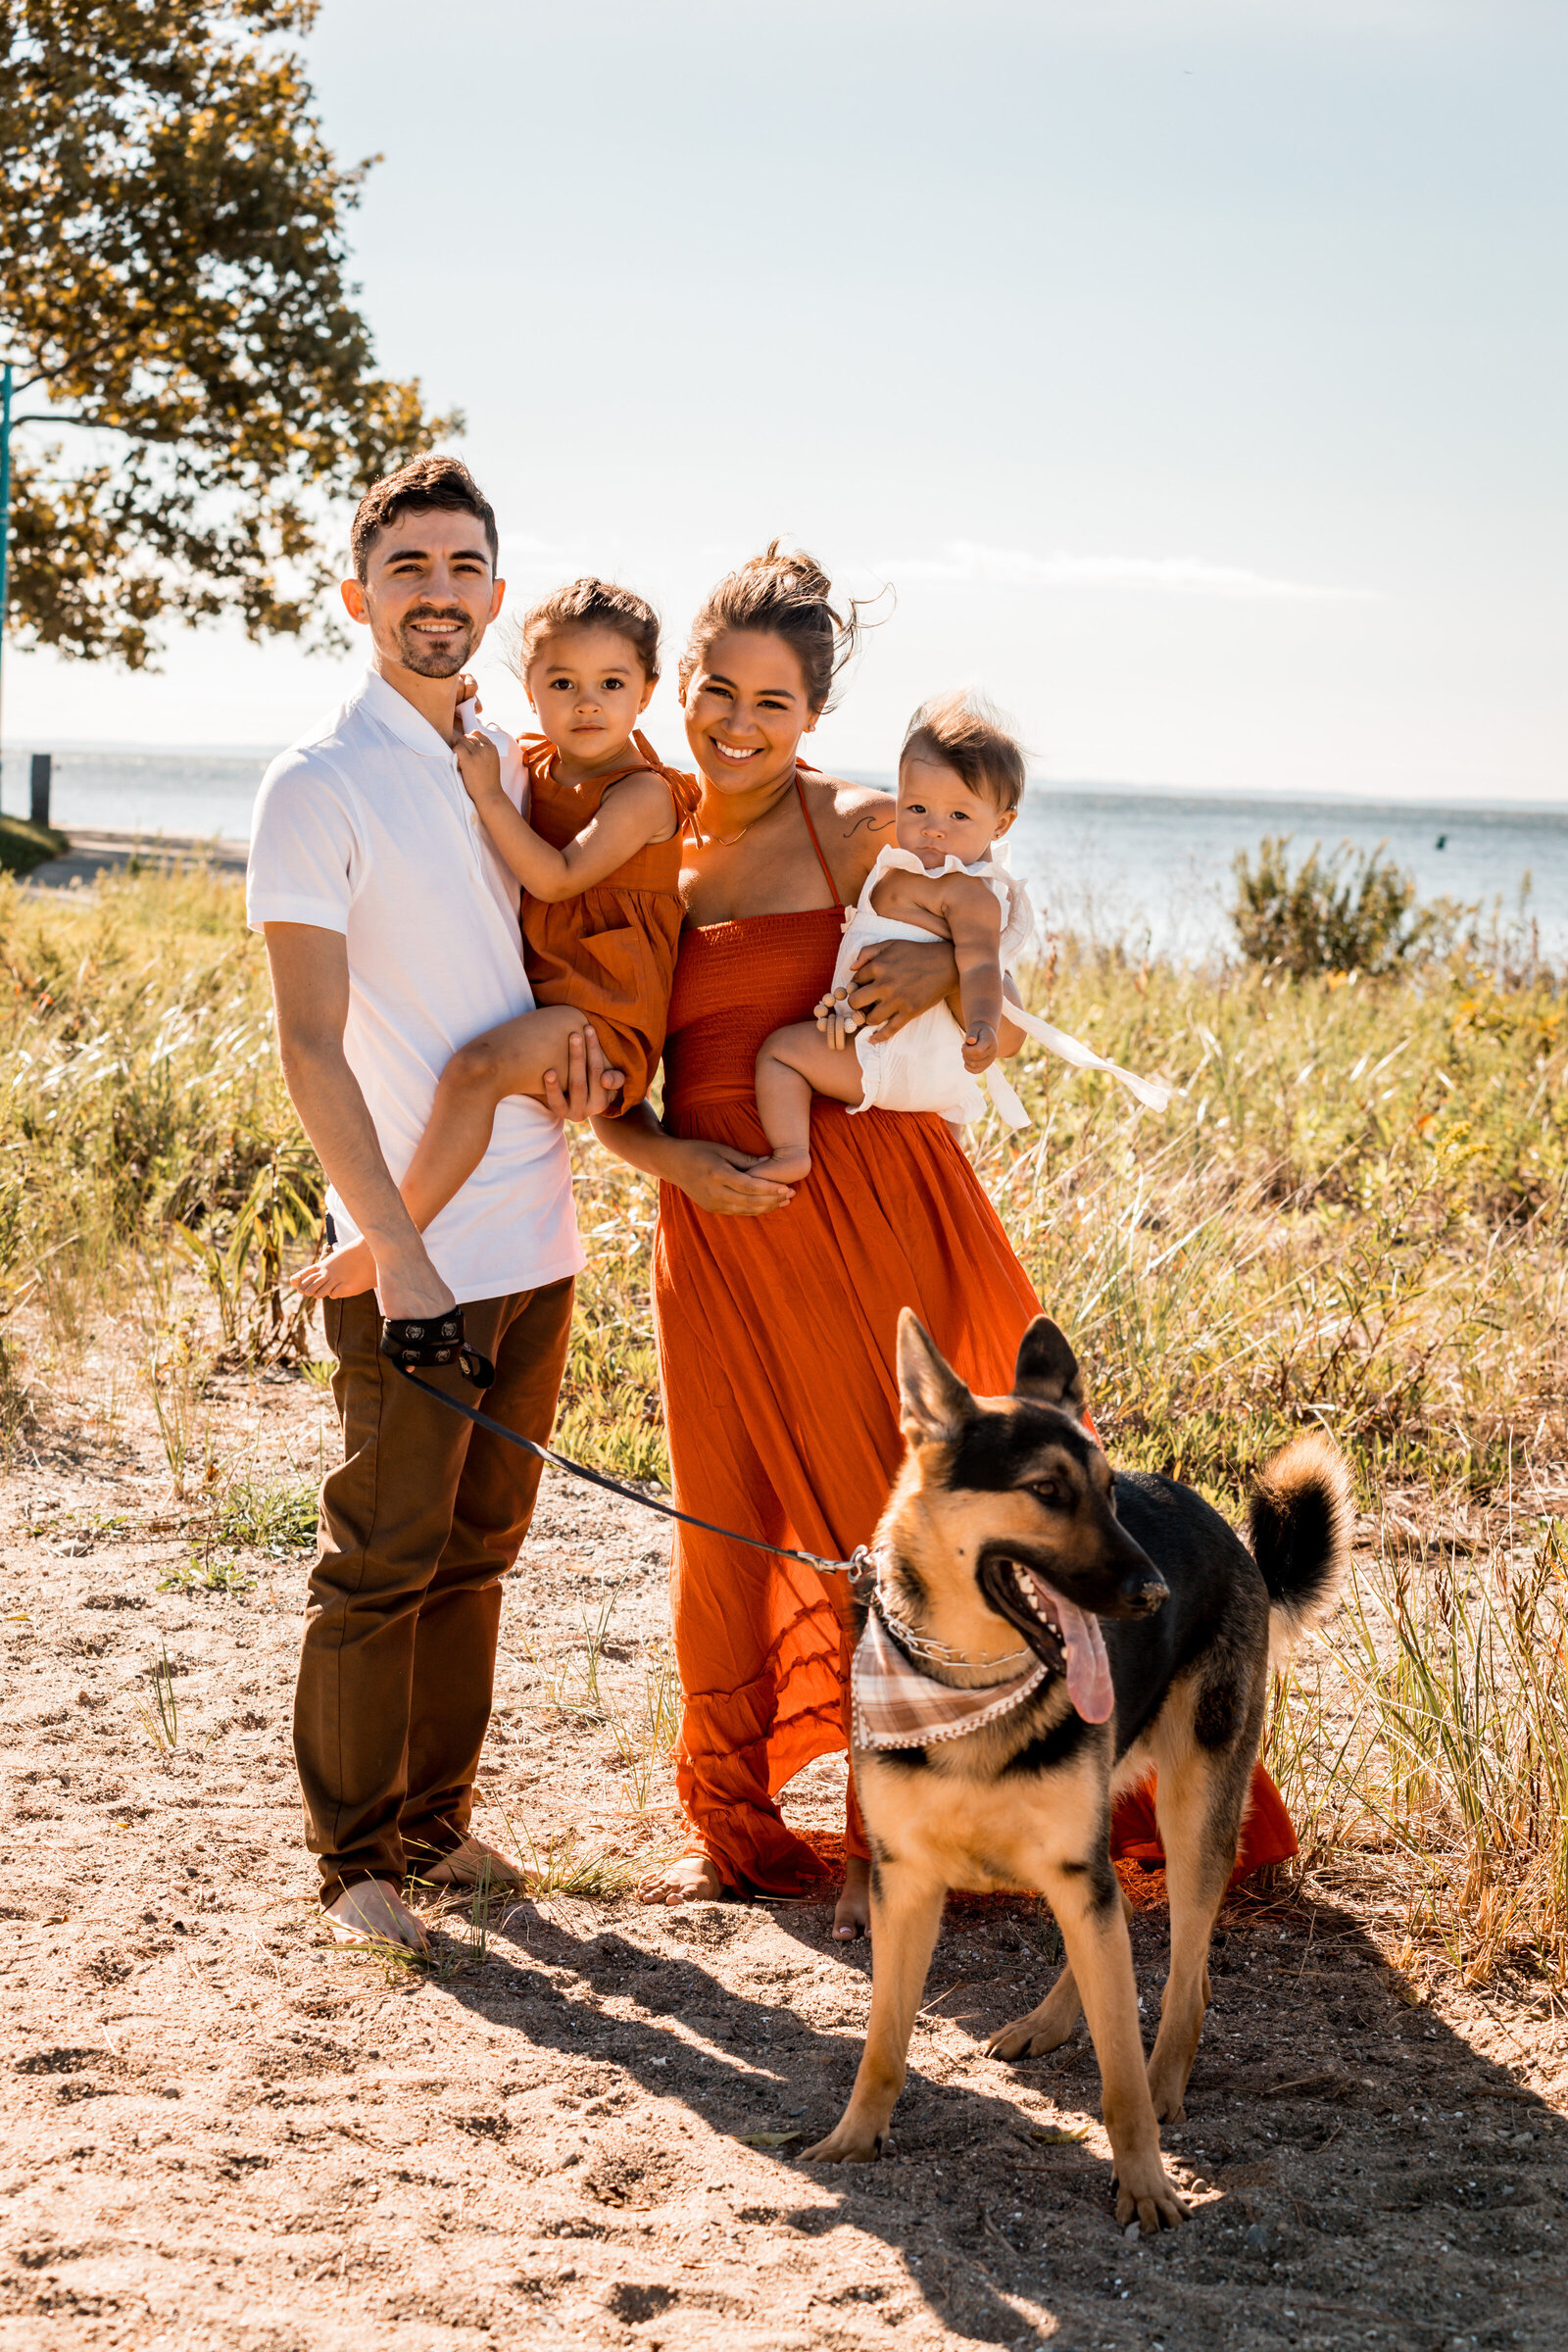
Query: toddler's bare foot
x=788, y=1166
x=851, y=1915
x=689, y=1879
x=373, y=1912
x=344, y=1273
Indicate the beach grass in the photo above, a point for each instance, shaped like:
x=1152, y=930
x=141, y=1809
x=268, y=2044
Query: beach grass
x=1351, y=1217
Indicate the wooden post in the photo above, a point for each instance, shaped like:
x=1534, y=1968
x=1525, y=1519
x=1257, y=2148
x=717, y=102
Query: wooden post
x=43, y=768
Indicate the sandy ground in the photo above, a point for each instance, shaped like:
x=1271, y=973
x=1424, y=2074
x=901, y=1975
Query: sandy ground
x=220, y=2129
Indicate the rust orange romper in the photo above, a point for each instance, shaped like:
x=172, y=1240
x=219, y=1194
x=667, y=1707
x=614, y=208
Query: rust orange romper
x=776, y=1343
x=610, y=952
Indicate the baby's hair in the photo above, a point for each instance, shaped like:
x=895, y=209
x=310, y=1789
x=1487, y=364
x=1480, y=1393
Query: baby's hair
x=967, y=733
x=778, y=594
x=589, y=604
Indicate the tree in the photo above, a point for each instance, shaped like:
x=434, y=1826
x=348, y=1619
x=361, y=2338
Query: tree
x=171, y=285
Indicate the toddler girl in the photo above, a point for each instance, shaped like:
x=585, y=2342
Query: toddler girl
x=960, y=780
x=597, y=848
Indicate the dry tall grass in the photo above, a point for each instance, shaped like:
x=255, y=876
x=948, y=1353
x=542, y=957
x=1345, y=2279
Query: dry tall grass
x=1351, y=1216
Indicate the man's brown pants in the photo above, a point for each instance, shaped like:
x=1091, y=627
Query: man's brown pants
x=417, y=1531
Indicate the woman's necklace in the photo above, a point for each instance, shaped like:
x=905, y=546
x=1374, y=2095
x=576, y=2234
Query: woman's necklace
x=728, y=841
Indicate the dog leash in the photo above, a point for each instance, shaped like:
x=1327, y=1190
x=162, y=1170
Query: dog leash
x=413, y=1345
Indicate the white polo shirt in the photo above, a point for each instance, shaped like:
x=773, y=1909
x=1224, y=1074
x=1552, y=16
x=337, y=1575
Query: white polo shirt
x=364, y=827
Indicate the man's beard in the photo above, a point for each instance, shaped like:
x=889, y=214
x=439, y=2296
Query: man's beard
x=427, y=661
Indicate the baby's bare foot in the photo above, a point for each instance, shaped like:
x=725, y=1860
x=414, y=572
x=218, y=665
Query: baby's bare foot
x=789, y=1167
x=344, y=1273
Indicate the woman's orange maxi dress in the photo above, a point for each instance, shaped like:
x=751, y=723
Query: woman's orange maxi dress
x=776, y=1337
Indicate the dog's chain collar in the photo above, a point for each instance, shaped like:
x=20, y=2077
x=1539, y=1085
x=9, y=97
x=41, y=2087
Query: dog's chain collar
x=916, y=1646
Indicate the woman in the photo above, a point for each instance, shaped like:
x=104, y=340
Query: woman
x=776, y=1309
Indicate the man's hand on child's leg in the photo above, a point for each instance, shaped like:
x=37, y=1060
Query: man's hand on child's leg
x=592, y=1090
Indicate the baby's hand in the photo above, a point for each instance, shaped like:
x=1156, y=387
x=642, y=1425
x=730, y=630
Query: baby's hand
x=480, y=766
x=979, y=1048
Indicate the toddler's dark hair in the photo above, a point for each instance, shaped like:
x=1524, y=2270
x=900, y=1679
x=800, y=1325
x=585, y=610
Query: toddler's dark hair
x=589, y=604
x=965, y=732
x=778, y=594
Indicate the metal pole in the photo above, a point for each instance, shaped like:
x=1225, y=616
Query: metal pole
x=5, y=512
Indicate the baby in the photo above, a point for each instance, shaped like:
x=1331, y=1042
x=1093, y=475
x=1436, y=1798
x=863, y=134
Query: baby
x=960, y=781
x=597, y=848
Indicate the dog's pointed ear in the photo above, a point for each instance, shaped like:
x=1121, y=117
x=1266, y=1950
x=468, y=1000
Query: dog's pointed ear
x=934, y=1401
x=1048, y=1370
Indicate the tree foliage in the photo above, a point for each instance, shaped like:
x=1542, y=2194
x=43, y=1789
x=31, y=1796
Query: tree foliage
x=171, y=286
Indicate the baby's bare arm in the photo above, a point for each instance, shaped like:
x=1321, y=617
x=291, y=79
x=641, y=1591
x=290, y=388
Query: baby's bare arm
x=974, y=923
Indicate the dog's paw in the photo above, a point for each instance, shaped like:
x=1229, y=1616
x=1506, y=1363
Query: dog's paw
x=1144, y=2194
x=1024, y=2038
x=851, y=2143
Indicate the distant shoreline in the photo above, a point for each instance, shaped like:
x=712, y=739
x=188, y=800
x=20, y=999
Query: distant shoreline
x=93, y=852
x=255, y=758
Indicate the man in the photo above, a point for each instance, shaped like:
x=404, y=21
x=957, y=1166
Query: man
x=392, y=938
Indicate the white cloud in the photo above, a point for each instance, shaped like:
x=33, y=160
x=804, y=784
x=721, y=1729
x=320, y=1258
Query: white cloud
x=963, y=562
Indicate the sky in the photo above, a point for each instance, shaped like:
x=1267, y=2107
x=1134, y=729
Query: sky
x=1190, y=373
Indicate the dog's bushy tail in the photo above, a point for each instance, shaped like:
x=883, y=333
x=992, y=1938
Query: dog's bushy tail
x=1301, y=1516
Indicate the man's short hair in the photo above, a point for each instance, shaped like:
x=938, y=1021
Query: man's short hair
x=425, y=482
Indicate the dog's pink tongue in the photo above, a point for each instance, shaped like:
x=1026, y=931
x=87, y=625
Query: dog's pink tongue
x=1088, y=1667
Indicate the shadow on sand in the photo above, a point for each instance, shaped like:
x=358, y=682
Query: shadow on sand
x=1359, y=2173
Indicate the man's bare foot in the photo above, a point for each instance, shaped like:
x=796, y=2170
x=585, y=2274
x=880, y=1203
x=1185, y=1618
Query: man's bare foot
x=373, y=1912
x=470, y=1863
x=344, y=1273
x=689, y=1879
x=787, y=1166
x=851, y=1914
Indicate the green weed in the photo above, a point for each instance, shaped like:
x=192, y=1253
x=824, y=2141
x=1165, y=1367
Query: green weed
x=225, y=1577
x=272, y=1515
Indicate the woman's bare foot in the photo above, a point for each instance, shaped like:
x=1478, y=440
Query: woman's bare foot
x=689, y=1879
x=373, y=1912
x=344, y=1273
x=851, y=1914
x=788, y=1166
x=471, y=1862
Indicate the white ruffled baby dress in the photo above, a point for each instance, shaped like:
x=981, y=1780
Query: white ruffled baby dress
x=922, y=1067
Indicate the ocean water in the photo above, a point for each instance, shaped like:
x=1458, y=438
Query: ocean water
x=1141, y=865
x=185, y=792
x=1162, y=862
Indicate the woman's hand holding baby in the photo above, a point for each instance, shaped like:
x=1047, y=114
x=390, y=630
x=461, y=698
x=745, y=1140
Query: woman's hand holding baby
x=897, y=980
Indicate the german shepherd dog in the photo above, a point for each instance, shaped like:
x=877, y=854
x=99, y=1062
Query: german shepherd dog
x=1155, y=1623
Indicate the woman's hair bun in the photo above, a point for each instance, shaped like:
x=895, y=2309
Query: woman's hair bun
x=783, y=592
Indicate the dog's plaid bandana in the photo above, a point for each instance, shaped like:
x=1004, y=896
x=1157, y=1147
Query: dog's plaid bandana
x=895, y=1705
